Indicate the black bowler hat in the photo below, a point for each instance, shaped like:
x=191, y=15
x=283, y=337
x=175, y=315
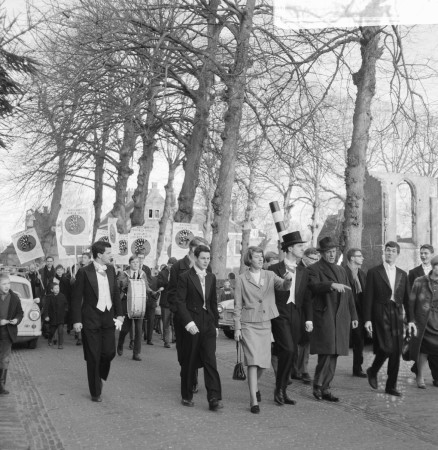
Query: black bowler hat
x=326, y=244
x=290, y=239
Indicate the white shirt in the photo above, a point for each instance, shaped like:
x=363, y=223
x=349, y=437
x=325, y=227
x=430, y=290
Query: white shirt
x=201, y=275
x=391, y=272
x=104, y=302
x=426, y=269
x=291, y=268
x=256, y=276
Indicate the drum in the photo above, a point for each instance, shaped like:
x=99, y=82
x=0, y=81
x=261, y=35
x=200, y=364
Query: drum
x=136, y=299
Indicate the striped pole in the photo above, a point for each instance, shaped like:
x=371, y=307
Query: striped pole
x=278, y=219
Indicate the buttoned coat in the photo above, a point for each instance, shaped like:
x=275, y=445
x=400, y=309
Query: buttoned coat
x=377, y=306
x=333, y=311
x=256, y=302
x=420, y=300
x=415, y=273
x=15, y=311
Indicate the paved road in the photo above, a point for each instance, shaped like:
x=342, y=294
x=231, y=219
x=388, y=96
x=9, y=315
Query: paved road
x=140, y=410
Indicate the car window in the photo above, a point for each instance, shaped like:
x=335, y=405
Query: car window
x=21, y=289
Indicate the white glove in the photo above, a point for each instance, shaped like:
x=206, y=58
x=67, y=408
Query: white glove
x=118, y=323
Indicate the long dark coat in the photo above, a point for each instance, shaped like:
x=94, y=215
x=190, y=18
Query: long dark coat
x=377, y=303
x=15, y=311
x=331, y=323
x=56, y=308
x=420, y=300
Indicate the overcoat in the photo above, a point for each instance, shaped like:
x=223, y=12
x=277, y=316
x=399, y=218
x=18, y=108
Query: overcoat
x=333, y=311
x=420, y=300
x=415, y=273
x=56, y=308
x=15, y=311
x=377, y=306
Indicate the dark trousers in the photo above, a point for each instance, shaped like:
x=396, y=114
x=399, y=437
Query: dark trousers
x=5, y=348
x=433, y=364
x=99, y=350
x=357, y=340
x=301, y=359
x=196, y=349
x=128, y=324
x=57, y=328
x=149, y=321
x=325, y=371
x=179, y=333
x=166, y=316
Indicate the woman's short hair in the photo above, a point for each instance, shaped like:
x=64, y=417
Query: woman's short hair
x=248, y=256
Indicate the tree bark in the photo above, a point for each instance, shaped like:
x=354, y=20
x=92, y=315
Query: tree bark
x=365, y=80
x=249, y=217
x=203, y=100
x=169, y=204
x=236, y=91
x=123, y=174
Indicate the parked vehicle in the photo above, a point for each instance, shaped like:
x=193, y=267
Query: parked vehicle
x=29, y=329
x=226, y=322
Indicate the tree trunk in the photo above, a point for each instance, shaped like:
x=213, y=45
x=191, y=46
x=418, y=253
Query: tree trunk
x=123, y=174
x=167, y=212
x=222, y=197
x=315, y=213
x=204, y=100
x=365, y=80
x=100, y=149
x=249, y=217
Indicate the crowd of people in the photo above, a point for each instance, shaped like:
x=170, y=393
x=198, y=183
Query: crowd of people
x=285, y=309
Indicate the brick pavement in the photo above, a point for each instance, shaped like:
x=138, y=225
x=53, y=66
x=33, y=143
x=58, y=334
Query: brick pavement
x=141, y=407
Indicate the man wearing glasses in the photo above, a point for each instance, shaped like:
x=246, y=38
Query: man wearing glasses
x=357, y=278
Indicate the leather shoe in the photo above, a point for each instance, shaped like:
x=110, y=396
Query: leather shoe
x=187, y=402
x=317, y=393
x=296, y=377
x=372, y=379
x=166, y=345
x=131, y=345
x=306, y=378
x=195, y=389
x=214, y=404
x=287, y=399
x=97, y=399
x=149, y=343
x=255, y=409
x=359, y=373
x=393, y=392
x=79, y=342
x=329, y=397
x=435, y=383
x=119, y=351
x=278, y=397
x=136, y=357
x=258, y=396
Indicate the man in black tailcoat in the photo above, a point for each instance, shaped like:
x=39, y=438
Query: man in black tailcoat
x=95, y=304
x=386, y=294
x=292, y=306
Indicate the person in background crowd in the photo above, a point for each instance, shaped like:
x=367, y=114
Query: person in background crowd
x=270, y=259
x=97, y=312
x=85, y=259
x=61, y=279
x=196, y=303
x=254, y=308
x=227, y=292
x=55, y=313
x=135, y=273
x=333, y=314
x=166, y=313
x=11, y=315
x=426, y=255
x=423, y=303
x=232, y=279
x=301, y=361
x=386, y=293
x=176, y=271
x=47, y=273
x=35, y=281
x=294, y=309
x=357, y=280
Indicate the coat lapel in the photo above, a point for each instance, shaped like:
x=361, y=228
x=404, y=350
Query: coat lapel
x=325, y=269
x=282, y=269
x=251, y=279
x=208, y=282
x=382, y=272
x=299, y=275
x=197, y=282
x=90, y=270
x=398, y=276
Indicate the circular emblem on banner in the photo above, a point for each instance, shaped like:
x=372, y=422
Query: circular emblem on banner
x=112, y=234
x=141, y=245
x=123, y=247
x=75, y=224
x=26, y=243
x=183, y=238
x=104, y=239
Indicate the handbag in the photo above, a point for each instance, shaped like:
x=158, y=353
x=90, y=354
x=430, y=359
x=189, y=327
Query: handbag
x=239, y=371
x=406, y=347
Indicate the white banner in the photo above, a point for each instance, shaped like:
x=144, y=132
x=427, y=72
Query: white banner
x=121, y=251
x=112, y=232
x=27, y=245
x=144, y=239
x=304, y=14
x=182, y=234
x=101, y=235
x=62, y=254
x=75, y=227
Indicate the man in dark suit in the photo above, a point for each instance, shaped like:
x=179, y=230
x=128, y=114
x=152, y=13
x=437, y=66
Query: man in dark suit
x=47, y=274
x=426, y=255
x=95, y=304
x=386, y=293
x=196, y=303
x=357, y=278
x=333, y=314
x=291, y=305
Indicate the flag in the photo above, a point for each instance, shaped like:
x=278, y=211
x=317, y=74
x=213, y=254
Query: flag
x=75, y=227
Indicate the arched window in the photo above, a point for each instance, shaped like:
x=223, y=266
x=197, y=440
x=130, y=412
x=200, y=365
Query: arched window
x=405, y=212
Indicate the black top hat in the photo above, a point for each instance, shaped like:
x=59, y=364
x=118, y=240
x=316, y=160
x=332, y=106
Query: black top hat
x=290, y=239
x=326, y=244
